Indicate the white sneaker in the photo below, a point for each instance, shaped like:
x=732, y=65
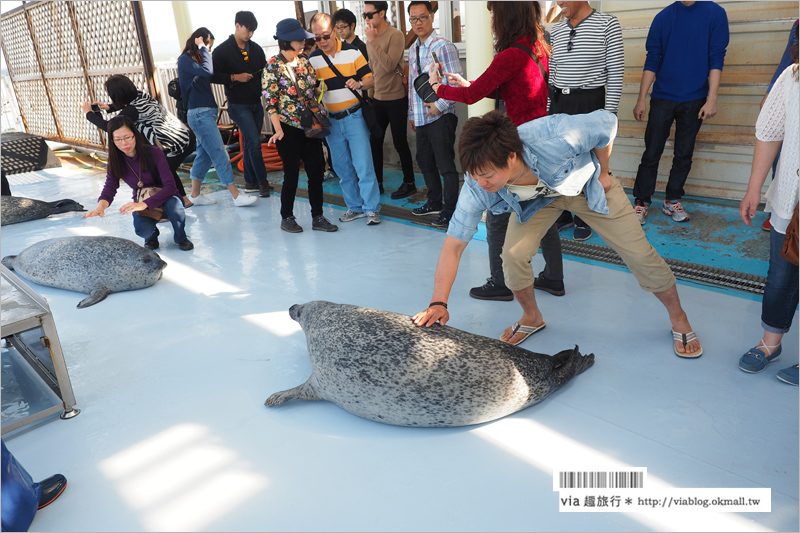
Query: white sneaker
x=202, y=200
x=243, y=200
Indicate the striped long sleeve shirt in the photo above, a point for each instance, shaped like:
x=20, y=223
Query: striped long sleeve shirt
x=595, y=59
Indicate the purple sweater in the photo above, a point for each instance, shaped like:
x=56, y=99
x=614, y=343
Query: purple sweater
x=167, y=179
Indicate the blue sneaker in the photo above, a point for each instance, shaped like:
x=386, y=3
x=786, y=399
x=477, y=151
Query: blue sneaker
x=755, y=360
x=788, y=375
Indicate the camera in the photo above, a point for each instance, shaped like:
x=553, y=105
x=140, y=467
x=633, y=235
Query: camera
x=96, y=108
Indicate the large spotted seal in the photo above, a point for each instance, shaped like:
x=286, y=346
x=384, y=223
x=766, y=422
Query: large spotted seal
x=15, y=209
x=380, y=366
x=97, y=266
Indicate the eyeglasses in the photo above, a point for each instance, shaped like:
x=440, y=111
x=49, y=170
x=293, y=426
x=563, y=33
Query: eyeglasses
x=369, y=15
x=118, y=140
x=571, y=36
x=423, y=18
x=325, y=36
x=342, y=26
x=246, y=57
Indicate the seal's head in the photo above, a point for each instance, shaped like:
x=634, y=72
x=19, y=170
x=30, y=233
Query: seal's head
x=296, y=311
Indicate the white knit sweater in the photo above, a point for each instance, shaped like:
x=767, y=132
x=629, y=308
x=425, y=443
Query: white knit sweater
x=779, y=120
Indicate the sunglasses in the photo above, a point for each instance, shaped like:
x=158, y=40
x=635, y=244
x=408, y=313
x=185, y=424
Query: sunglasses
x=323, y=36
x=246, y=57
x=571, y=36
x=369, y=15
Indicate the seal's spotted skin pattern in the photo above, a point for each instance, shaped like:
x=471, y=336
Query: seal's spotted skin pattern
x=15, y=209
x=380, y=366
x=96, y=266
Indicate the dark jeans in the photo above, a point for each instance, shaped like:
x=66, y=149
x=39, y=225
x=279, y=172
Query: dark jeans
x=145, y=227
x=175, y=161
x=436, y=155
x=780, y=292
x=662, y=114
x=249, y=118
x=293, y=148
x=496, y=226
x=394, y=113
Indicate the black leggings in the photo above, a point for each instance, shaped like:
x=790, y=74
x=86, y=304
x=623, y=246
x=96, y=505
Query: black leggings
x=293, y=148
x=175, y=161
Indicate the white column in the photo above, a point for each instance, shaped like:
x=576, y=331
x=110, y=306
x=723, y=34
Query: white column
x=480, y=49
x=183, y=21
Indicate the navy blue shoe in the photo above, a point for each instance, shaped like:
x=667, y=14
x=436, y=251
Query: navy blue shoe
x=756, y=360
x=52, y=488
x=788, y=375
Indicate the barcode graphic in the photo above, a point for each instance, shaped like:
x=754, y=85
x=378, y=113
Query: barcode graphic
x=601, y=480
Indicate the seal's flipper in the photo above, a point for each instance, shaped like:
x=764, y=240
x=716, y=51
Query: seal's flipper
x=8, y=261
x=301, y=392
x=97, y=295
x=569, y=363
x=62, y=206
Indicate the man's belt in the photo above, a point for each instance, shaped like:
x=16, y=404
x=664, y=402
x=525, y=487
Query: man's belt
x=341, y=114
x=569, y=91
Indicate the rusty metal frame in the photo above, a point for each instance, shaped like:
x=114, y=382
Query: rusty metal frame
x=43, y=77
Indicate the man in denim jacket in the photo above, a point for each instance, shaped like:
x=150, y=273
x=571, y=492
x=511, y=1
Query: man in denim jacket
x=538, y=170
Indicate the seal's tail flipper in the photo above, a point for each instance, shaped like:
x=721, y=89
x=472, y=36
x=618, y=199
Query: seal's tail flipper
x=569, y=363
x=97, y=295
x=8, y=261
x=62, y=206
x=301, y=392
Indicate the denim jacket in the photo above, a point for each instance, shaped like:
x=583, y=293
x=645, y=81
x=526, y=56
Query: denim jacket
x=557, y=148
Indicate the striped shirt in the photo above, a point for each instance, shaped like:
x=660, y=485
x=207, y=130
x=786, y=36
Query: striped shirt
x=596, y=58
x=350, y=63
x=447, y=54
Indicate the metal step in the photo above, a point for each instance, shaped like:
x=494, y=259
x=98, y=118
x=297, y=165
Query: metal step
x=718, y=277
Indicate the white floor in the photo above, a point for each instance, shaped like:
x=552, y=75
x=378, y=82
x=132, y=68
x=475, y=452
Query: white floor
x=171, y=381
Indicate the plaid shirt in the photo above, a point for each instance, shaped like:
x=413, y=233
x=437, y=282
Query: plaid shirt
x=448, y=56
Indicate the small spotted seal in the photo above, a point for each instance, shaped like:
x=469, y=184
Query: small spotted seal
x=380, y=366
x=16, y=209
x=97, y=266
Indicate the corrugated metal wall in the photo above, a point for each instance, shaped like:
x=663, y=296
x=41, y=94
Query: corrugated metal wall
x=723, y=154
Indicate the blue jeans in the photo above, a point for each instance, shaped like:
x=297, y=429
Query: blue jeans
x=662, y=114
x=145, y=227
x=780, y=291
x=352, y=154
x=210, y=149
x=249, y=118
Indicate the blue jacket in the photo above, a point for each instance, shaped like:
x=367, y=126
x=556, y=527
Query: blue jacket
x=786, y=60
x=554, y=147
x=683, y=45
x=198, y=77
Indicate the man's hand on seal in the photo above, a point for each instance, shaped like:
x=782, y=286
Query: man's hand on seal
x=431, y=315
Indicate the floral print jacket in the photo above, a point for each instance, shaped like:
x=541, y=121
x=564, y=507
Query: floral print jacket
x=282, y=93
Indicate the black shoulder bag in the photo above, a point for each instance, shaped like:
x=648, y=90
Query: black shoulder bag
x=541, y=67
x=367, y=111
x=422, y=84
x=174, y=90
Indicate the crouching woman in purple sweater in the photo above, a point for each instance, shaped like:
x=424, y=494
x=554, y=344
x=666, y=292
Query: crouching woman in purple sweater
x=142, y=167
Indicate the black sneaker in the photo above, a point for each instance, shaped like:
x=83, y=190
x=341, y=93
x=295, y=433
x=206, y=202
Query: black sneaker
x=263, y=189
x=405, y=190
x=581, y=233
x=565, y=220
x=186, y=245
x=556, y=288
x=442, y=222
x=290, y=224
x=490, y=291
x=151, y=244
x=321, y=223
x=250, y=187
x=426, y=210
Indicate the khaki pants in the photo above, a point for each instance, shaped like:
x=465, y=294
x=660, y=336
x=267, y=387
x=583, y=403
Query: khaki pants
x=620, y=229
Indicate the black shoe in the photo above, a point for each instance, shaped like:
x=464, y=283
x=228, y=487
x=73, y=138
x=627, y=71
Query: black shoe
x=290, y=224
x=426, y=210
x=186, y=245
x=52, y=488
x=581, y=233
x=556, y=288
x=565, y=220
x=405, y=190
x=442, y=222
x=490, y=291
x=250, y=186
x=321, y=223
x=151, y=244
x=263, y=189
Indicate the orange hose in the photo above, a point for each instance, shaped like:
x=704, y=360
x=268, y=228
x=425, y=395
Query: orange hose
x=269, y=152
